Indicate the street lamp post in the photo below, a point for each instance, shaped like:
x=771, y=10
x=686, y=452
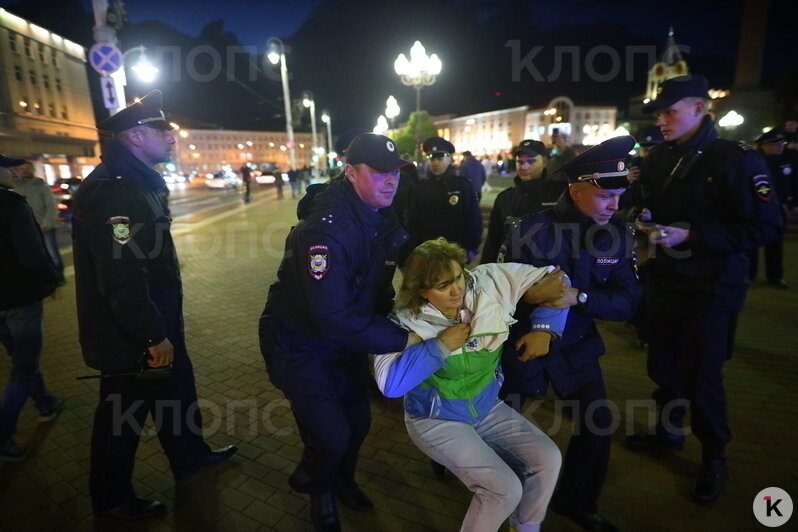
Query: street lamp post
x=391, y=110
x=325, y=117
x=420, y=71
x=276, y=53
x=309, y=102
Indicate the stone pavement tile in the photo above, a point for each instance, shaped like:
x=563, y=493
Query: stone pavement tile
x=287, y=500
x=265, y=514
x=292, y=523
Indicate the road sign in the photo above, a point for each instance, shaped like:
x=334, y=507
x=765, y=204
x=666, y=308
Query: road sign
x=109, y=92
x=105, y=58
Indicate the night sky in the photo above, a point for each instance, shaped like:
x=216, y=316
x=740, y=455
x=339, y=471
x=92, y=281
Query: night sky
x=343, y=50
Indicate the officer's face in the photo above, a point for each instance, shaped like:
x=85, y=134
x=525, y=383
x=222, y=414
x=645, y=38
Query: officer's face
x=447, y=294
x=439, y=163
x=772, y=148
x=156, y=144
x=529, y=167
x=376, y=189
x=596, y=203
x=680, y=121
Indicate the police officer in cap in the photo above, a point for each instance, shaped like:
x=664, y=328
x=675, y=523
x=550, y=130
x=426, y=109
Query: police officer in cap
x=532, y=192
x=327, y=309
x=705, y=202
x=129, y=303
x=782, y=170
x=581, y=236
x=444, y=204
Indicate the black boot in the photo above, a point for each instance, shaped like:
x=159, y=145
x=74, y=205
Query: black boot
x=324, y=513
x=710, y=482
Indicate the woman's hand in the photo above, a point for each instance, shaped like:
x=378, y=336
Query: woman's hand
x=455, y=336
x=535, y=344
x=551, y=287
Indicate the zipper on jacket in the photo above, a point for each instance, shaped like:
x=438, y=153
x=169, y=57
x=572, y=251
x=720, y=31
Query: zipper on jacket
x=471, y=408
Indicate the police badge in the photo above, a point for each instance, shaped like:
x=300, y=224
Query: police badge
x=454, y=199
x=319, y=261
x=120, y=228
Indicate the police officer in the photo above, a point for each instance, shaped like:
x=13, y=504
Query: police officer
x=531, y=193
x=445, y=204
x=705, y=202
x=581, y=236
x=782, y=170
x=326, y=310
x=129, y=303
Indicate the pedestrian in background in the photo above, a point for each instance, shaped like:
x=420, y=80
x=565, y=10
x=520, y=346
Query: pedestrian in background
x=41, y=199
x=27, y=276
x=129, y=299
x=472, y=170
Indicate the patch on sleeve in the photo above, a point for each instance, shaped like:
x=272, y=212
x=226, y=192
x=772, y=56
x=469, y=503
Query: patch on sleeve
x=120, y=228
x=319, y=261
x=762, y=187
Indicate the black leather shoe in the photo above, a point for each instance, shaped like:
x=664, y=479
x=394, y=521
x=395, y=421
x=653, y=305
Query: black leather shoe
x=588, y=521
x=212, y=458
x=710, y=482
x=354, y=498
x=134, y=510
x=780, y=283
x=438, y=470
x=323, y=513
x=643, y=441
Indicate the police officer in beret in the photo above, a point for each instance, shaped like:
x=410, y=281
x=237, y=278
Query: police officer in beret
x=326, y=310
x=705, y=202
x=444, y=204
x=581, y=236
x=129, y=303
x=532, y=192
x=782, y=170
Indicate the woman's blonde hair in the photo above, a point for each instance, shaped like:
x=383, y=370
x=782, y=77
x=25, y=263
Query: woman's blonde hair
x=426, y=265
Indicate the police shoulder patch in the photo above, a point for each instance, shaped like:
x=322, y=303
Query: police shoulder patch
x=762, y=187
x=120, y=228
x=318, y=261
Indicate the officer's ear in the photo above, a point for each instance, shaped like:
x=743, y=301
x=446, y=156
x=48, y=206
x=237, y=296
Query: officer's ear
x=349, y=171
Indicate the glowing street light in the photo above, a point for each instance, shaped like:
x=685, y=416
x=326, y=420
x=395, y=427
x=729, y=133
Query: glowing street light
x=276, y=53
x=731, y=119
x=391, y=109
x=421, y=70
x=382, y=125
x=309, y=102
x=325, y=117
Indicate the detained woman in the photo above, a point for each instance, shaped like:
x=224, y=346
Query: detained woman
x=451, y=380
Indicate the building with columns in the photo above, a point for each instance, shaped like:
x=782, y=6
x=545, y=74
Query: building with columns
x=45, y=107
x=208, y=150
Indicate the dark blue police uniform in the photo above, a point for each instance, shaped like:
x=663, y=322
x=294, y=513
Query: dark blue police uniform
x=326, y=310
x=600, y=263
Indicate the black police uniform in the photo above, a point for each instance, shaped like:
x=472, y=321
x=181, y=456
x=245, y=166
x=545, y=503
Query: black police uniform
x=129, y=298
x=720, y=190
x=326, y=310
x=785, y=182
x=600, y=263
x=522, y=199
x=445, y=205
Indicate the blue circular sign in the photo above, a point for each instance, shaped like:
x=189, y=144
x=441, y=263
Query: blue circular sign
x=105, y=58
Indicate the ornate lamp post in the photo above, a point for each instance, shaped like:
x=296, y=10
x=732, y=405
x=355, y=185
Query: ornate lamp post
x=325, y=117
x=391, y=110
x=420, y=71
x=275, y=54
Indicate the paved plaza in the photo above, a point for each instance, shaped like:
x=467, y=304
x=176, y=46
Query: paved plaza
x=229, y=256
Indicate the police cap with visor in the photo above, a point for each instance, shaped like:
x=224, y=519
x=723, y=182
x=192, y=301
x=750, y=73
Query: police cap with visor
x=532, y=148
x=145, y=112
x=774, y=136
x=672, y=90
x=437, y=146
x=603, y=165
x=376, y=151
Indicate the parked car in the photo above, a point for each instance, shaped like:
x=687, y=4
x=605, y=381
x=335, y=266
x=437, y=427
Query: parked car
x=222, y=180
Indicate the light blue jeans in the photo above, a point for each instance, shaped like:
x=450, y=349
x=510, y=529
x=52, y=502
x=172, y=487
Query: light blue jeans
x=509, y=464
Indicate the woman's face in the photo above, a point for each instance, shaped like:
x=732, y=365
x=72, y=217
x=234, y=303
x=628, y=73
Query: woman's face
x=447, y=293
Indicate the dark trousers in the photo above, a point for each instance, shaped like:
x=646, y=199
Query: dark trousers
x=585, y=463
x=774, y=261
x=124, y=405
x=333, y=431
x=21, y=334
x=687, y=348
